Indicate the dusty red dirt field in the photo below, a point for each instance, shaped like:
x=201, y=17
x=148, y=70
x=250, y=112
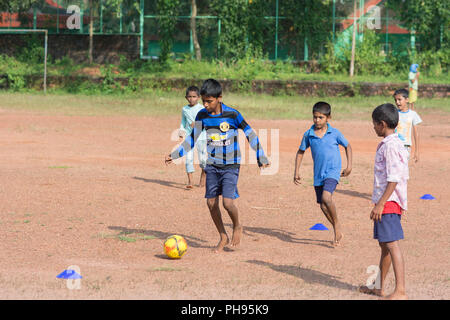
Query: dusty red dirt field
x=75, y=189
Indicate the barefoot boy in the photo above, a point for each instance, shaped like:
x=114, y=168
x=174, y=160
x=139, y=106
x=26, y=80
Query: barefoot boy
x=390, y=198
x=324, y=141
x=222, y=166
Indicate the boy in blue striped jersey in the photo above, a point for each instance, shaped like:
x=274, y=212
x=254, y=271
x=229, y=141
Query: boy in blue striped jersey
x=221, y=124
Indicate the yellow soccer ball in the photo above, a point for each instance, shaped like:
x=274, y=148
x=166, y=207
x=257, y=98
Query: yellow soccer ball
x=175, y=246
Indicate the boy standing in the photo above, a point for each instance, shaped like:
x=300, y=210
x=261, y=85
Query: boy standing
x=324, y=141
x=413, y=83
x=407, y=123
x=222, y=169
x=390, y=198
x=188, y=115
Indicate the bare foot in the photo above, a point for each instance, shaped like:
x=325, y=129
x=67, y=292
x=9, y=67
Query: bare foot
x=338, y=240
x=367, y=290
x=189, y=186
x=222, y=243
x=236, y=238
x=396, y=296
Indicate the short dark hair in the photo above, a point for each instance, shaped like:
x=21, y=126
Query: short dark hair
x=403, y=92
x=323, y=108
x=386, y=112
x=211, y=88
x=192, y=88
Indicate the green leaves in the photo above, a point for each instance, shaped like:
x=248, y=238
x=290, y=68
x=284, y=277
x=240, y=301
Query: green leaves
x=167, y=11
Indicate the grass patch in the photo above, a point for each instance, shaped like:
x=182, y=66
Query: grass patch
x=165, y=104
x=165, y=269
x=59, y=167
x=127, y=237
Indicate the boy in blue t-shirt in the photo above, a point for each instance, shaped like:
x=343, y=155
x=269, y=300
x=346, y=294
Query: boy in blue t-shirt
x=221, y=124
x=324, y=141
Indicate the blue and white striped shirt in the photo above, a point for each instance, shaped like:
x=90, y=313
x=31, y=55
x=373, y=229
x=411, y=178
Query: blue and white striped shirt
x=222, y=138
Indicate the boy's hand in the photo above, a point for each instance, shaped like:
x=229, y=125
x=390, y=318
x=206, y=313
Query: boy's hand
x=168, y=160
x=346, y=172
x=376, y=213
x=263, y=166
x=416, y=157
x=297, y=179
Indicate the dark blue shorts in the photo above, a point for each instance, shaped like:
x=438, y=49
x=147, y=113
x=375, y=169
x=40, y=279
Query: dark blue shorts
x=329, y=185
x=389, y=228
x=221, y=181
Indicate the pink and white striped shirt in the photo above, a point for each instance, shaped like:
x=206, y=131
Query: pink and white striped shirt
x=391, y=165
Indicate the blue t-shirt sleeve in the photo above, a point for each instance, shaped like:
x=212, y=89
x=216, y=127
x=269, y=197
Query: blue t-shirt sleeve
x=305, y=142
x=341, y=139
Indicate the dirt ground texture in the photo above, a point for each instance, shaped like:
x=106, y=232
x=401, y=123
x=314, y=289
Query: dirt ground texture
x=94, y=192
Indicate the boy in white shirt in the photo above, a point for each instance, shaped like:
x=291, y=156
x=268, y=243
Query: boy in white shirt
x=187, y=124
x=407, y=124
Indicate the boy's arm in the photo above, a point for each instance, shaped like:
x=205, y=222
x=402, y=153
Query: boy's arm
x=416, y=143
x=182, y=131
x=187, y=144
x=349, y=154
x=253, y=140
x=376, y=212
x=298, y=162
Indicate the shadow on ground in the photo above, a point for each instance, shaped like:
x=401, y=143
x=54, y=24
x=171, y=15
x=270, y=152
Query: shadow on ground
x=307, y=275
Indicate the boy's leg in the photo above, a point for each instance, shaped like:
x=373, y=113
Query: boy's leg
x=330, y=213
x=399, y=271
x=202, y=178
x=202, y=158
x=232, y=210
x=229, y=182
x=189, y=167
x=213, y=206
x=189, y=184
x=385, y=263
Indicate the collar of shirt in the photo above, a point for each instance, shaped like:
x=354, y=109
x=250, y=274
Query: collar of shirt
x=313, y=134
x=389, y=137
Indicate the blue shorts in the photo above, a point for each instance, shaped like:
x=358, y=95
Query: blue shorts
x=221, y=181
x=329, y=185
x=389, y=228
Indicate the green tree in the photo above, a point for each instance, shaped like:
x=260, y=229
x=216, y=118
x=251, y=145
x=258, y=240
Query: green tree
x=234, y=18
x=19, y=5
x=430, y=20
x=167, y=12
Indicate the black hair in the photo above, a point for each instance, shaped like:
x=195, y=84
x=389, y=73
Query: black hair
x=211, y=88
x=192, y=88
x=323, y=108
x=403, y=92
x=386, y=112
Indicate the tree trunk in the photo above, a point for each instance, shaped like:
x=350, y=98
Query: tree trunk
x=91, y=32
x=198, y=52
x=352, y=61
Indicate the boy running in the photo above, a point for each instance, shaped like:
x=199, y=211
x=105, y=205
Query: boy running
x=324, y=141
x=222, y=166
x=390, y=198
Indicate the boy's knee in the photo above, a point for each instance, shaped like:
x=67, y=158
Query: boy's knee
x=326, y=198
x=228, y=204
x=212, y=203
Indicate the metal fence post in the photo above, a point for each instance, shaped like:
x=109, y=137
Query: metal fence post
x=276, y=31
